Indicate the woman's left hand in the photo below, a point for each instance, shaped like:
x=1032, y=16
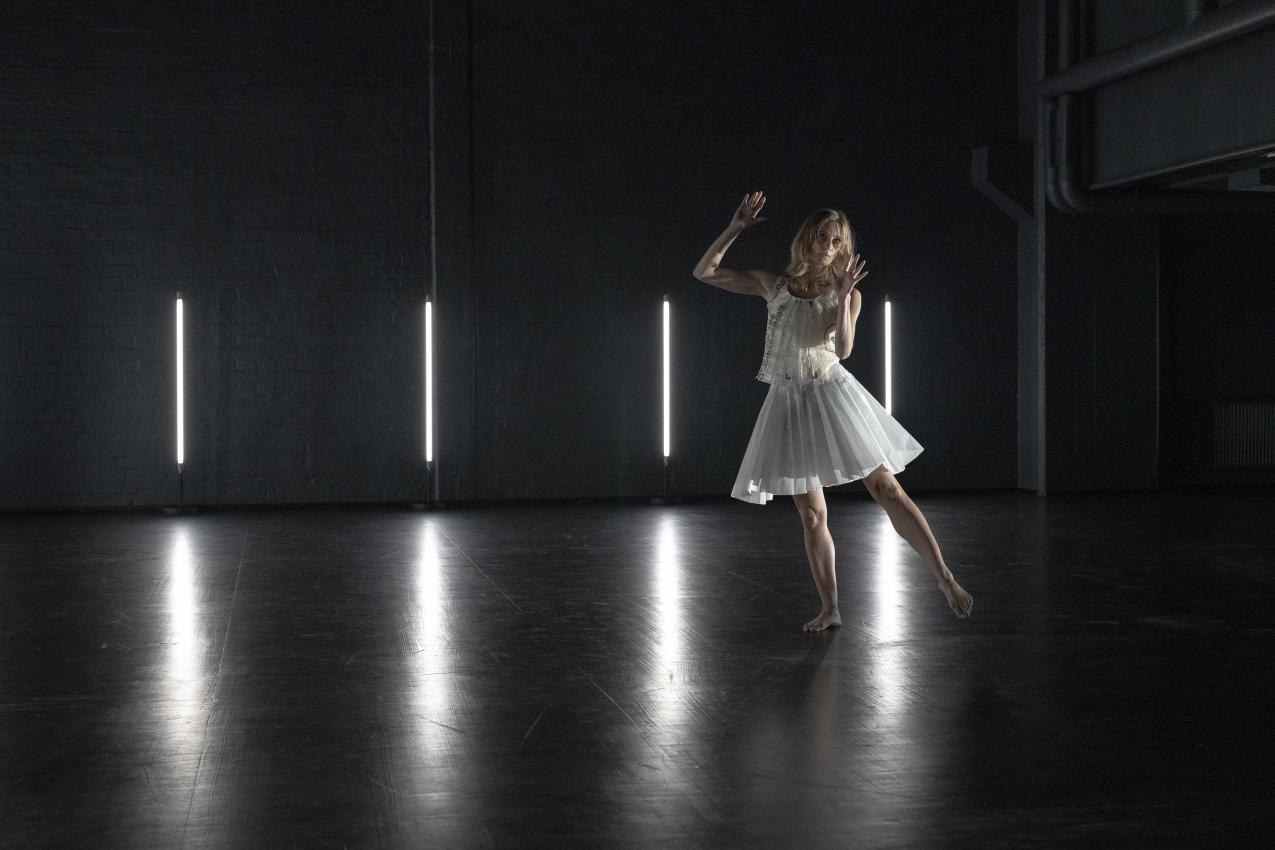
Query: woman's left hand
x=849, y=277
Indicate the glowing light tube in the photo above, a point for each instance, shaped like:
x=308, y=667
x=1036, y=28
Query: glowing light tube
x=181, y=385
x=429, y=381
x=667, y=388
x=889, y=362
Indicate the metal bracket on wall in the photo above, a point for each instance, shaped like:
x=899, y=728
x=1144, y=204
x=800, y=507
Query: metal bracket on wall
x=1002, y=171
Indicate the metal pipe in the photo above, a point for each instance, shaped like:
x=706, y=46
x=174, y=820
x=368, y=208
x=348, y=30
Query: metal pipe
x=1075, y=198
x=1225, y=24
x=1064, y=184
x=1196, y=8
x=1253, y=155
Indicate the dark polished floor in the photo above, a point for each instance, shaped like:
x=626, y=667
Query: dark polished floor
x=634, y=676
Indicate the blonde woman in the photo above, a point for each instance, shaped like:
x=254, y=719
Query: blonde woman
x=818, y=426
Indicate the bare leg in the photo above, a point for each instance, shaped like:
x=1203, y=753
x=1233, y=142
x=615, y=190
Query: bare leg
x=822, y=556
x=910, y=523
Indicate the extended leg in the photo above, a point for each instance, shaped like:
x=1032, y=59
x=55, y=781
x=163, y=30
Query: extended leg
x=910, y=523
x=822, y=556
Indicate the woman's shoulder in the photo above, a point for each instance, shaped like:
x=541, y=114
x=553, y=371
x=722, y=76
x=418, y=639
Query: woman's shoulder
x=768, y=282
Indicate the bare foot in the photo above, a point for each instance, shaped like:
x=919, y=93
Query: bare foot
x=825, y=620
x=958, y=599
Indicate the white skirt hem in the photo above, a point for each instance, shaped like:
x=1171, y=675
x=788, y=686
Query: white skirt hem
x=815, y=435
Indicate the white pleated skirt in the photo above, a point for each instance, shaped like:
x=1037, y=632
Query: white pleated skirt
x=816, y=435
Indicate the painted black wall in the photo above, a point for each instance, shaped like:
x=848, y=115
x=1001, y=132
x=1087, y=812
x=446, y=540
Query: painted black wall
x=1101, y=352
x=262, y=159
x=274, y=163
x=1140, y=322
x=1216, y=307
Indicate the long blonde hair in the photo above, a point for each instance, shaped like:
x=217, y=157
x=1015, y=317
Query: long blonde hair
x=803, y=242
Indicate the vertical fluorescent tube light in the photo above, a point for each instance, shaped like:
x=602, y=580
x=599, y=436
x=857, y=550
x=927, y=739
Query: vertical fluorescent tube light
x=429, y=381
x=889, y=364
x=667, y=390
x=181, y=386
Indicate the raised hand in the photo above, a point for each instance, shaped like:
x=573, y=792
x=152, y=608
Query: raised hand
x=747, y=214
x=849, y=277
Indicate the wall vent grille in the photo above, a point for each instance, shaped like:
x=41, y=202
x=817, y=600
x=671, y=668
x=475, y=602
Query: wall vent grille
x=1243, y=435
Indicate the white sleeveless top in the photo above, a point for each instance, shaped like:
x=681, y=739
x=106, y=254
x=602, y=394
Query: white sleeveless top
x=798, y=336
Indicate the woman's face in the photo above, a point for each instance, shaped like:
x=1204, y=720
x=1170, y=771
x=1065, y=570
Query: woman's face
x=827, y=244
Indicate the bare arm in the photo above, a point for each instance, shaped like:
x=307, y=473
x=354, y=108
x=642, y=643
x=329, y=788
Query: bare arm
x=849, y=303
x=709, y=268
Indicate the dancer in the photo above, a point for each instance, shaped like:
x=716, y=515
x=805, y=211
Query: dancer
x=818, y=426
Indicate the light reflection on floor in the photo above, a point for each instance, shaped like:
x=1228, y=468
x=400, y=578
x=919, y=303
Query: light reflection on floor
x=669, y=674
x=432, y=701
x=183, y=681
x=889, y=661
x=184, y=667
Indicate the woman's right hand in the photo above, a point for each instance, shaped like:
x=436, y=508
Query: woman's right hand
x=709, y=268
x=748, y=213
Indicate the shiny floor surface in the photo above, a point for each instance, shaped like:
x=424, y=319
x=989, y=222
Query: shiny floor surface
x=636, y=676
